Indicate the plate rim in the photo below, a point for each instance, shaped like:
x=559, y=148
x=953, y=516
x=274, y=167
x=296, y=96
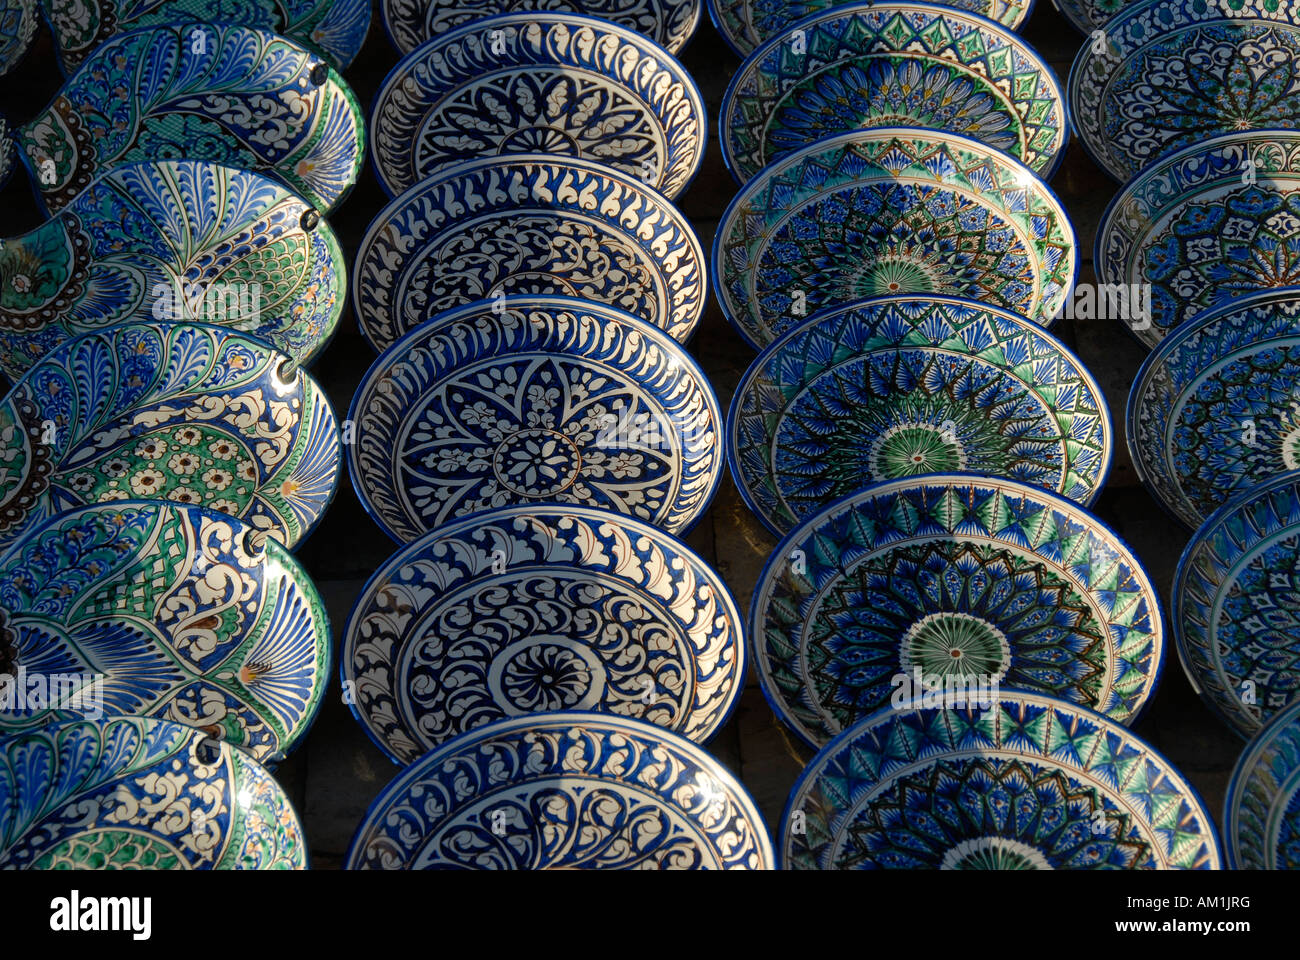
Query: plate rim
x=1246, y=763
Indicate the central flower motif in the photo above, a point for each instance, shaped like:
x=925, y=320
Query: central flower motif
x=545, y=676
x=994, y=853
x=914, y=448
x=955, y=645
x=537, y=462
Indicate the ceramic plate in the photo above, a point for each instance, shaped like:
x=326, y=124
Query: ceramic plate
x=233, y=95
x=126, y=793
x=670, y=23
x=577, y=791
x=167, y=611
x=19, y=21
x=884, y=212
x=1215, y=409
x=746, y=24
x=334, y=28
x=531, y=609
x=889, y=65
x=894, y=387
x=544, y=399
x=1236, y=610
x=1169, y=74
x=951, y=578
x=1023, y=782
x=538, y=226
x=1261, y=822
x=1203, y=227
x=173, y=240
x=1088, y=16
x=539, y=82
x=168, y=411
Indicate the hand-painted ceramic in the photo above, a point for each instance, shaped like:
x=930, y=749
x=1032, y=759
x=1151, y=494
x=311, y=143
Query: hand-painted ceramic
x=173, y=240
x=237, y=96
x=1169, y=74
x=1018, y=782
x=747, y=24
x=892, y=64
x=1215, y=410
x=536, y=608
x=1089, y=16
x=890, y=211
x=1236, y=609
x=522, y=226
x=534, y=400
x=334, y=28
x=1261, y=813
x=168, y=411
x=1203, y=227
x=539, y=82
x=128, y=793
x=567, y=790
x=933, y=580
x=670, y=23
x=19, y=21
x=167, y=611
x=894, y=387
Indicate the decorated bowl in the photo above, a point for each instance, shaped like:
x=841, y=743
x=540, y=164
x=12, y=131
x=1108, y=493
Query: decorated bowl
x=1261, y=815
x=19, y=21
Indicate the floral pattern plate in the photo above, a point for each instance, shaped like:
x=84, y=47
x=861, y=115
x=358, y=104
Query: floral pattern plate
x=167, y=611
x=1215, y=410
x=19, y=21
x=173, y=240
x=528, y=225
x=1203, y=227
x=1021, y=782
x=570, y=790
x=236, y=96
x=670, y=23
x=168, y=411
x=1236, y=610
x=924, y=582
x=545, y=399
x=334, y=28
x=1261, y=819
x=533, y=609
x=890, y=211
x=1169, y=74
x=892, y=64
x=894, y=387
x=539, y=82
x=128, y=793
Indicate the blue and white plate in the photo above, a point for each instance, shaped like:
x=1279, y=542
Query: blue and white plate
x=532, y=609
x=189, y=413
x=1017, y=782
x=524, y=226
x=126, y=793
x=534, y=400
x=670, y=23
x=891, y=64
x=572, y=790
x=539, y=82
x=1169, y=74
x=19, y=21
x=166, y=611
x=890, y=211
x=894, y=387
x=1236, y=606
x=951, y=579
x=1261, y=813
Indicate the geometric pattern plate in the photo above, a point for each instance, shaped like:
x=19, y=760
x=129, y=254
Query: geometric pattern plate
x=1215, y=409
x=19, y=21
x=526, y=225
x=1024, y=782
x=890, y=211
x=130, y=793
x=536, y=608
x=949, y=579
x=568, y=790
x=161, y=610
x=1236, y=606
x=892, y=64
x=168, y=411
x=535, y=399
x=1261, y=815
x=539, y=82
x=899, y=386
x=173, y=240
